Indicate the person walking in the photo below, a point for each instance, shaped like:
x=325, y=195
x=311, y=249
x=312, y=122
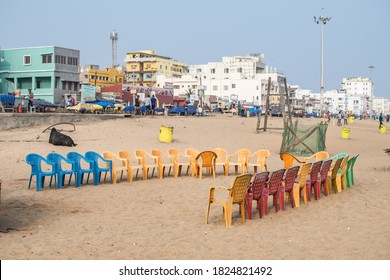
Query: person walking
x=380, y=120
x=339, y=117
x=345, y=118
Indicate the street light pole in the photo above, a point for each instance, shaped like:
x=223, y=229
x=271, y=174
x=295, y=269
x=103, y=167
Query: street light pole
x=323, y=21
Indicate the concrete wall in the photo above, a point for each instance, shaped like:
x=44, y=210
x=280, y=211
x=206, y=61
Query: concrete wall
x=14, y=120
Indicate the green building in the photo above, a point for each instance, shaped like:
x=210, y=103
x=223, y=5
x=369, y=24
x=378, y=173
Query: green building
x=49, y=71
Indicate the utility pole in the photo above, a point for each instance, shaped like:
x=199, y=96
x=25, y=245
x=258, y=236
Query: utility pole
x=323, y=20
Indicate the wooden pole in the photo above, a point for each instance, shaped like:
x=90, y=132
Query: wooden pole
x=267, y=104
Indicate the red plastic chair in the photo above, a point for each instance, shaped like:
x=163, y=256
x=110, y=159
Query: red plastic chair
x=312, y=181
x=258, y=191
x=275, y=189
x=289, y=180
x=321, y=182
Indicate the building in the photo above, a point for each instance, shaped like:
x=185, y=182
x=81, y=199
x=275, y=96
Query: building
x=91, y=75
x=360, y=86
x=142, y=68
x=381, y=105
x=235, y=78
x=49, y=71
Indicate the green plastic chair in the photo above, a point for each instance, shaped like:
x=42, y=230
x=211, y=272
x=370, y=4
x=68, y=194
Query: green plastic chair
x=349, y=171
x=339, y=155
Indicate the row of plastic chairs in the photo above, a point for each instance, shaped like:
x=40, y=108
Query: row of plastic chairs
x=74, y=164
x=293, y=184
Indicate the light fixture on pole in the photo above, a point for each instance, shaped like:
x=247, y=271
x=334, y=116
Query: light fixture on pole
x=372, y=87
x=323, y=20
x=200, y=89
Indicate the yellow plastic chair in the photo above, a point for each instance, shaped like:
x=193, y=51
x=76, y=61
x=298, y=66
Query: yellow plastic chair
x=300, y=187
x=206, y=160
x=289, y=160
x=119, y=165
x=147, y=161
x=222, y=158
x=192, y=153
x=332, y=175
x=234, y=195
x=340, y=177
x=133, y=163
x=260, y=156
x=238, y=160
x=180, y=160
x=164, y=161
x=317, y=156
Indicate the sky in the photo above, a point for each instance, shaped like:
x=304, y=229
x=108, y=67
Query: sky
x=202, y=31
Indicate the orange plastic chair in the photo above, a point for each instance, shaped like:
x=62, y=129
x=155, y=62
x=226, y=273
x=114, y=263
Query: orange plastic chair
x=206, y=160
x=332, y=175
x=289, y=160
x=119, y=165
x=180, y=160
x=222, y=158
x=147, y=161
x=164, y=161
x=133, y=163
x=300, y=187
x=238, y=160
x=236, y=195
x=192, y=153
x=341, y=183
x=317, y=156
x=260, y=156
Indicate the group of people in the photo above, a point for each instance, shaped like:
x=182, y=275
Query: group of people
x=149, y=103
x=342, y=116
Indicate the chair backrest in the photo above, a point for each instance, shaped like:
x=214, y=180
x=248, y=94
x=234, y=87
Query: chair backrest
x=318, y=156
x=325, y=169
x=275, y=181
x=289, y=159
x=35, y=160
x=315, y=169
x=240, y=187
x=95, y=157
x=174, y=152
x=208, y=158
x=261, y=156
x=343, y=165
x=339, y=155
x=221, y=155
x=56, y=159
x=242, y=155
x=162, y=157
x=192, y=153
x=259, y=182
x=290, y=177
x=354, y=160
x=304, y=173
x=335, y=168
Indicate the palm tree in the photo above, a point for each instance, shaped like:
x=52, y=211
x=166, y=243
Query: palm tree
x=188, y=92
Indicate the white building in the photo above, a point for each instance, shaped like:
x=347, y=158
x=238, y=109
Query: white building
x=360, y=86
x=242, y=78
x=381, y=105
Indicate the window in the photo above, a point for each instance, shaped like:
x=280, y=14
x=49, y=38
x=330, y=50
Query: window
x=239, y=70
x=233, y=85
x=47, y=58
x=226, y=70
x=133, y=66
x=215, y=88
x=212, y=70
x=225, y=87
x=27, y=60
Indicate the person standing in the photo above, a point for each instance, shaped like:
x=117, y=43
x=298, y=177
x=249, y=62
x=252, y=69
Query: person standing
x=147, y=102
x=345, y=118
x=339, y=117
x=30, y=99
x=380, y=120
x=153, y=102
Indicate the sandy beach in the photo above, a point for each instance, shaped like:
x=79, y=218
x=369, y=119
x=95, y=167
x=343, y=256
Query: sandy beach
x=165, y=219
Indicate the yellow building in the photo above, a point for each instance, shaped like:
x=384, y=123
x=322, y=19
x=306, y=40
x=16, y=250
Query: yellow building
x=143, y=66
x=106, y=77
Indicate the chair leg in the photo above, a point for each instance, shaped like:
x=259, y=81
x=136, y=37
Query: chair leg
x=208, y=211
x=308, y=191
x=242, y=208
x=281, y=200
x=296, y=196
x=248, y=205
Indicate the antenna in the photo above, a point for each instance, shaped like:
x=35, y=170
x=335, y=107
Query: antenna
x=114, y=38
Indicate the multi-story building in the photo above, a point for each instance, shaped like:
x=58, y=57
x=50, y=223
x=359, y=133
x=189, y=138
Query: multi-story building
x=360, y=86
x=142, y=68
x=381, y=105
x=236, y=78
x=49, y=71
x=91, y=75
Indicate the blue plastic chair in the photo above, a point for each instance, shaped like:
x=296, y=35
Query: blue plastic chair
x=97, y=168
x=58, y=161
x=79, y=164
x=35, y=161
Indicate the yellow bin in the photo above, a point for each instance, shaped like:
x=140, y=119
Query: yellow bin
x=345, y=132
x=351, y=119
x=383, y=129
x=166, y=133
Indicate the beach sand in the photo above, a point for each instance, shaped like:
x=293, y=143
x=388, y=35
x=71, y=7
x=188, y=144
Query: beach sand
x=165, y=219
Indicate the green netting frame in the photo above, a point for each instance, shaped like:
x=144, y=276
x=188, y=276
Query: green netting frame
x=303, y=140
